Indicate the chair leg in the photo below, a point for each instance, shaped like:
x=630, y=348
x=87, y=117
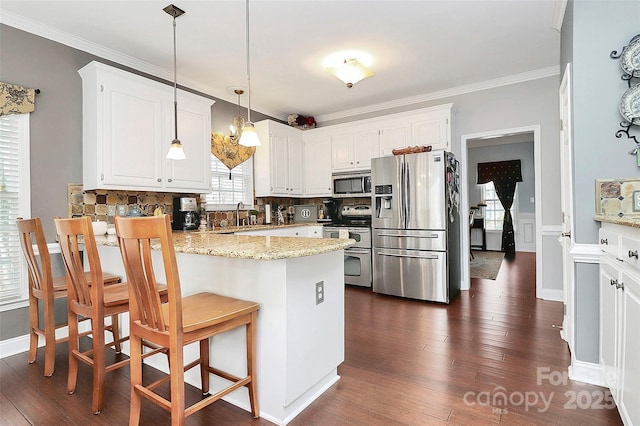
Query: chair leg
x=204, y=365
x=135, y=365
x=251, y=365
x=72, y=322
x=99, y=365
x=115, y=329
x=177, y=385
x=33, y=325
x=49, y=338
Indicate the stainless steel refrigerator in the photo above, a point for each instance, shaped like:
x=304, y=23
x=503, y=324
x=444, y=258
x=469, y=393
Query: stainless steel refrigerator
x=416, y=226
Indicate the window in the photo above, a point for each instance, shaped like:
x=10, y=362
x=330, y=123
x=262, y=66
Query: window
x=227, y=193
x=494, y=212
x=15, y=201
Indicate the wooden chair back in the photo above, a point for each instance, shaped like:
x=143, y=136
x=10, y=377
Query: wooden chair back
x=86, y=295
x=40, y=276
x=135, y=237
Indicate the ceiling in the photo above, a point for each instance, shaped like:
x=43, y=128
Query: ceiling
x=420, y=49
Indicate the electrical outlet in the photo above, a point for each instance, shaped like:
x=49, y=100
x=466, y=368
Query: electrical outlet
x=636, y=201
x=319, y=292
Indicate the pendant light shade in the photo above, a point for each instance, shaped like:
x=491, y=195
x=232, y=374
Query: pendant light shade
x=249, y=136
x=175, y=151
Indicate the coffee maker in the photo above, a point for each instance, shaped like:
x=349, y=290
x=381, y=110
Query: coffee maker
x=185, y=214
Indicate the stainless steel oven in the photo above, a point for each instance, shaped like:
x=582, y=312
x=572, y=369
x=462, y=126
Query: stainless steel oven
x=357, y=258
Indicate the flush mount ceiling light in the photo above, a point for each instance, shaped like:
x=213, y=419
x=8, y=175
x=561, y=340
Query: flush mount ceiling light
x=350, y=72
x=249, y=136
x=175, y=152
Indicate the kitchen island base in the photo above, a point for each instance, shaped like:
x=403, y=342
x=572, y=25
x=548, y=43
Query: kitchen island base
x=300, y=343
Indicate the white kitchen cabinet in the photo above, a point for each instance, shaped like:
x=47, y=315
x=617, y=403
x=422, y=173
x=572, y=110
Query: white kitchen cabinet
x=278, y=160
x=394, y=134
x=353, y=147
x=128, y=126
x=619, y=316
x=317, y=165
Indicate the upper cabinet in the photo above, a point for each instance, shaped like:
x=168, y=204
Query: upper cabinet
x=128, y=125
x=317, y=164
x=278, y=160
x=424, y=127
x=353, y=147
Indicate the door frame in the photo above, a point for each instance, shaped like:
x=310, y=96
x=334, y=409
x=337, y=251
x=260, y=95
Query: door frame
x=464, y=199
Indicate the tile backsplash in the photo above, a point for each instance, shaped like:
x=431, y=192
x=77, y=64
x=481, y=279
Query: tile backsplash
x=103, y=204
x=614, y=197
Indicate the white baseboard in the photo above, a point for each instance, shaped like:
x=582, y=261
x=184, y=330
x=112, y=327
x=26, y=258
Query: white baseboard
x=586, y=372
x=555, y=295
x=14, y=346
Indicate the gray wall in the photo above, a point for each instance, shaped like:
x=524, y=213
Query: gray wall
x=504, y=152
x=590, y=31
x=56, y=128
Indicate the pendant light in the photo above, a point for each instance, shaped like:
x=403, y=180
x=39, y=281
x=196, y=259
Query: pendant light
x=238, y=121
x=249, y=135
x=175, y=152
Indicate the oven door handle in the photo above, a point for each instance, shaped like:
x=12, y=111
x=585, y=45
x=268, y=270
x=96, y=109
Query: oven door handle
x=383, y=253
x=357, y=251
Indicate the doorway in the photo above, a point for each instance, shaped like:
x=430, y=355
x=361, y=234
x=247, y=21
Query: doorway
x=497, y=138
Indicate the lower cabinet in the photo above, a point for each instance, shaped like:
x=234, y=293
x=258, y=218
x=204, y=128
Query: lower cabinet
x=620, y=316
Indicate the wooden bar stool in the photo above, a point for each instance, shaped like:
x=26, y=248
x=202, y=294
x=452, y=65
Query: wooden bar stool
x=95, y=302
x=43, y=286
x=181, y=321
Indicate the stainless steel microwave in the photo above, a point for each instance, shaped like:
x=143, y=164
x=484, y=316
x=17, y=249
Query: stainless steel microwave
x=352, y=185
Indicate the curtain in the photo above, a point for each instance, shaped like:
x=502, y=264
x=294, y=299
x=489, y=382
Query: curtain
x=504, y=175
x=16, y=99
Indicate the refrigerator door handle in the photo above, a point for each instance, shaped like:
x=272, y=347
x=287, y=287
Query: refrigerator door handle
x=407, y=194
x=413, y=256
x=402, y=195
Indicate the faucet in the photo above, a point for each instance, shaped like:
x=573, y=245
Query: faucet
x=238, y=207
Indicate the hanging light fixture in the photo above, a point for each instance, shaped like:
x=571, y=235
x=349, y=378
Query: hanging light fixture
x=350, y=72
x=238, y=121
x=175, y=152
x=249, y=135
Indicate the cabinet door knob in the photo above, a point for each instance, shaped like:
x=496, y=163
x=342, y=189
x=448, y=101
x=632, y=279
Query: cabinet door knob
x=170, y=180
x=619, y=286
x=613, y=282
x=633, y=254
x=159, y=180
x=604, y=241
x=566, y=234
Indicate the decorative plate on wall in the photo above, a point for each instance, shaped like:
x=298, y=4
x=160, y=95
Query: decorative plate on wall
x=630, y=58
x=630, y=105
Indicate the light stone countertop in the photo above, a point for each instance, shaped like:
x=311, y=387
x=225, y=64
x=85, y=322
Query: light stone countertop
x=632, y=221
x=214, y=243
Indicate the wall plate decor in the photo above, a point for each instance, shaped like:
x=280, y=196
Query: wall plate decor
x=630, y=101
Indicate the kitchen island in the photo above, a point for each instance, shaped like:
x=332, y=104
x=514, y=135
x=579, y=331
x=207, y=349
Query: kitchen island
x=300, y=341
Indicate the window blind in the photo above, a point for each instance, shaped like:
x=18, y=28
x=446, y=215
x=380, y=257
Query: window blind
x=229, y=187
x=14, y=202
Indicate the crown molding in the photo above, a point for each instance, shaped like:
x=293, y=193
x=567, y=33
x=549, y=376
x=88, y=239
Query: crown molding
x=455, y=91
x=95, y=49
x=559, y=8
x=98, y=50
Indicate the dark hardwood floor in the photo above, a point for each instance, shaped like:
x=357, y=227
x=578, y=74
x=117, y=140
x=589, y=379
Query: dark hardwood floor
x=493, y=356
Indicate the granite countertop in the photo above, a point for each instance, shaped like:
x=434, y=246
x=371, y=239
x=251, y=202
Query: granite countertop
x=215, y=243
x=232, y=229
x=632, y=221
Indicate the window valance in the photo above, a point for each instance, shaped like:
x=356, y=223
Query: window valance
x=16, y=99
x=499, y=171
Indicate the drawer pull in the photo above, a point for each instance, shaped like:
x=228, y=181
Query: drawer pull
x=604, y=241
x=633, y=254
x=614, y=282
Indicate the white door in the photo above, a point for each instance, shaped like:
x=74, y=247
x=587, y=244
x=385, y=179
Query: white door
x=567, y=208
